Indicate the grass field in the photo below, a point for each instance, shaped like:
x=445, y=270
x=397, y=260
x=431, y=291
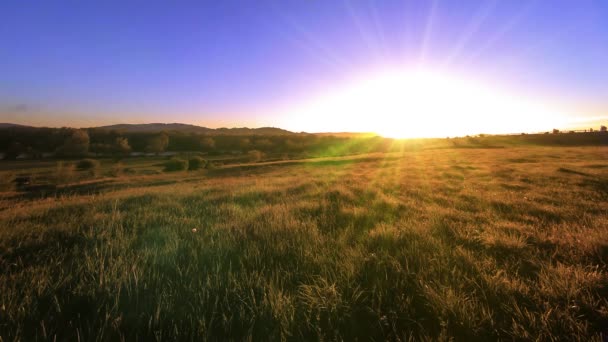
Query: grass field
x=471, y=244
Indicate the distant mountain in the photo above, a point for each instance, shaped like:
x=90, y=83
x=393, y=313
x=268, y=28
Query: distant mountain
x=253, y=131
x=157, y=127
x=9, y=125
x=186, y=128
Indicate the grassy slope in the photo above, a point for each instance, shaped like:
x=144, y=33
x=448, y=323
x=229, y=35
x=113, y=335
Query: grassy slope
x=465, y=243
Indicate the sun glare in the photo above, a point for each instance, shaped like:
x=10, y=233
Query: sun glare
x=410, y=104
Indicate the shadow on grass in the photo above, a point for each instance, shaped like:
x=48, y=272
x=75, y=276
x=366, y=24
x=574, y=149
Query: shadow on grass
x=519, y=260
x=570, y=171
x=42, y=191
x=23, y=254
x=527, y=213
x=522, y=160
x=599, y=185
x=261, y=168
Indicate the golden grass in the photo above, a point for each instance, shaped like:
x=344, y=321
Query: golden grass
x=433, y=244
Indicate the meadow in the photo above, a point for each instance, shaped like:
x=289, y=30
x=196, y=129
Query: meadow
x=426, y=244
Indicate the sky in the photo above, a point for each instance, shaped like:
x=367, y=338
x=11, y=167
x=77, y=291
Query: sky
x=307, y=65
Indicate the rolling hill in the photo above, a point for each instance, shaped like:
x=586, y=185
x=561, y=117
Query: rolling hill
x=175, y=127
x=186, y=128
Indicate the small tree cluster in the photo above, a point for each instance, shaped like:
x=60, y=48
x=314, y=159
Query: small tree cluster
x=119, y=147
x=158, y=143
x=76, y=145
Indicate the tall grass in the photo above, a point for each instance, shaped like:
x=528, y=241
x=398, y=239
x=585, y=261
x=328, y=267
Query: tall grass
x=421, y=245
x=64, y=173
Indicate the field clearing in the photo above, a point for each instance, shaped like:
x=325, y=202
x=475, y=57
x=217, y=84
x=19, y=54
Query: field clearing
x=476, y=243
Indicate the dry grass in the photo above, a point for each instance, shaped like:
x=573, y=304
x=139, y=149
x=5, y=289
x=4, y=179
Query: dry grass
x=467, y=244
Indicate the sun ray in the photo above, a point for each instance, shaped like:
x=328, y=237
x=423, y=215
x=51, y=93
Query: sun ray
x=363, y=33
x=315, y=47
x=510, y=25
x=428, y=29
x=477, y=20
x=379, y=29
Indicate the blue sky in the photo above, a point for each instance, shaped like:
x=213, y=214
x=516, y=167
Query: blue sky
x=242, y=63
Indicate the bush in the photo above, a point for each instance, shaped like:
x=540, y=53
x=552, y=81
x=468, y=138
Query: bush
x=196, y=163
x=211, y=165
x=7, y=181
x=255, y=155
x=176, y=164
x=64, y=173
x=87, y=164
x=117, y=169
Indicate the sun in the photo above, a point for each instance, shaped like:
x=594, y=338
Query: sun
x=421, y=103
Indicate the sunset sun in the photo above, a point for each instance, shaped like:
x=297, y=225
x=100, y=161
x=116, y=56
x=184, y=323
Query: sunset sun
x=422, y=103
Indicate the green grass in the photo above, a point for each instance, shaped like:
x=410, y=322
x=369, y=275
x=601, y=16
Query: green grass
x=471, y=244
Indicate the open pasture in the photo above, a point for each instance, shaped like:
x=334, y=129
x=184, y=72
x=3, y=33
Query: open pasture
x=476, y=243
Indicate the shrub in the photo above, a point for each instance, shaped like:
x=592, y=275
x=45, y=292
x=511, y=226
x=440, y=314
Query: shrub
x=87, y=164
x=176, y=164
x=64, y=173
x=117, y=169
x=7, y=181
x=255, y=155
x=210, y=165
x=196, y=163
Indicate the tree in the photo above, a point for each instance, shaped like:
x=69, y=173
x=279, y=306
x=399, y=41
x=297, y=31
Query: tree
x=75, y=145
x=263, y=144
x=158, y=143
x=293, y=146
x=603, y=129
x=14, y=150
x=121, y=146
x=33, y=153
x=207, y=143
x=99, y=148
x=244, y=144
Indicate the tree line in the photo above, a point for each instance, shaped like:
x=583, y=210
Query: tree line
x=70, y=142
